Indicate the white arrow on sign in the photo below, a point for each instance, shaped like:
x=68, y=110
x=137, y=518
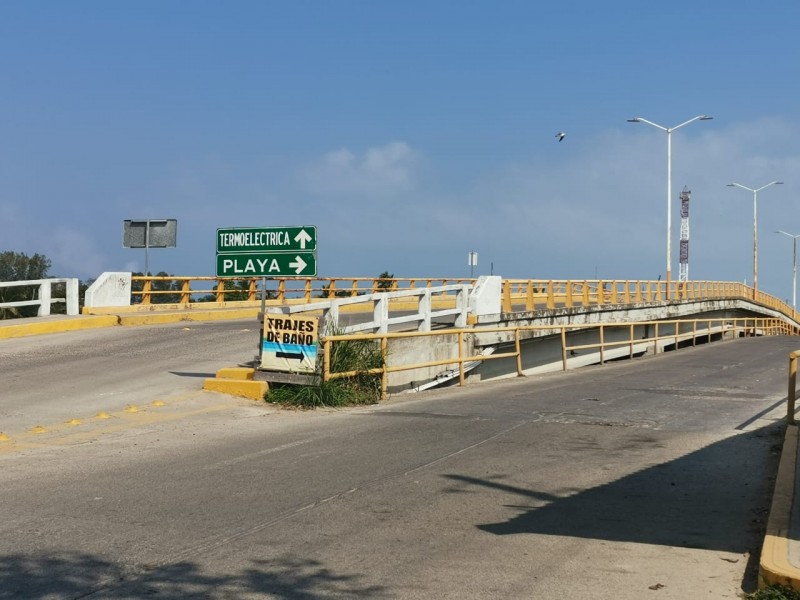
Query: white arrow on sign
x=299, y=263
x=303, y=238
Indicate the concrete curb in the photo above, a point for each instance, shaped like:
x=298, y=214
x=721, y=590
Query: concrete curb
x=775, y=567
x=237, y=381
x=44, y=325
x=9, y=329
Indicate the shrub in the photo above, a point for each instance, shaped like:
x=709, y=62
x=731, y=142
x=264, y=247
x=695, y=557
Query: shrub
x=775, y=592
x=360, y=389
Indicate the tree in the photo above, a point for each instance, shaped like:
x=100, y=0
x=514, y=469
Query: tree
x=237, y=290
x=18, y=266
x=385, y=281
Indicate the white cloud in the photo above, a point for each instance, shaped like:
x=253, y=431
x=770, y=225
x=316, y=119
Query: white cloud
x=380, y=171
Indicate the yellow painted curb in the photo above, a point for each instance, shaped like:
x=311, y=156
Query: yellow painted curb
x=237, y=387
x=775, y=567
x=56, y=326
x=244, y=373
x=193, y=315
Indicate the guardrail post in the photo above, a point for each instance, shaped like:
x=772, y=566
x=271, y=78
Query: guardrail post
x=630, y=354
x=147, y=286
x=507, y=307
x=72, y=297
x=185, y=292
x=44, y=299
x=252, y=288
x=462, y=302
x=326, y=359
x=461, y=358
x=331, y=319
x=602, y=344
x=519, y=352
x=551, y=303
x=424, y=307
x=380, y=313
x=564, y=348
x=792, y=388
x=385, y=374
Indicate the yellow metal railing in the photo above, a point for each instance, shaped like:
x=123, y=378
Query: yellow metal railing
x=147, y=290
x=682, y=330
x=517, y=294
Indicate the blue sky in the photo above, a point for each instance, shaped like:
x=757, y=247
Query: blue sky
x=409, y=133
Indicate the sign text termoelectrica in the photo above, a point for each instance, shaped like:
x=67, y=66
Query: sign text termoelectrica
x=267, y=239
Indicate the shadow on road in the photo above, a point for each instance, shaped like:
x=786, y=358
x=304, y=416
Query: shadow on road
x=81, y=575
x=715, y=498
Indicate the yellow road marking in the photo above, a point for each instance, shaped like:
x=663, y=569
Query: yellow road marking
x=76, y=431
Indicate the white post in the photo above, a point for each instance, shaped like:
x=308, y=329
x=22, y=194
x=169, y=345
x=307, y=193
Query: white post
x=462, y=302
x=380, y=313
x=44, y=298
x=72, y=297
x=425, y=310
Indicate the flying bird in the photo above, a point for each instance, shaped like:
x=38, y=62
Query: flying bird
x=561, y=135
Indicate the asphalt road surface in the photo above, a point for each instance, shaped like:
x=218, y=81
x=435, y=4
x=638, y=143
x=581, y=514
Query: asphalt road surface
x=641, y=479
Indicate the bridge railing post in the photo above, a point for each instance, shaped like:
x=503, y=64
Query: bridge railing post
x=792, y=395
x=45, y=296
x=72, y=296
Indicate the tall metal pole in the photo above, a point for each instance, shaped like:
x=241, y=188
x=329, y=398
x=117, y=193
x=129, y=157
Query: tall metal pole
x=755, y=225
x=794, y=266
x=755, y=239
x=669, y=209
x=668, y=131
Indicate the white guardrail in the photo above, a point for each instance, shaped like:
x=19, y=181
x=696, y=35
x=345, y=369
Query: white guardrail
x=45, y=296
x=380, y=309
x=482, y=298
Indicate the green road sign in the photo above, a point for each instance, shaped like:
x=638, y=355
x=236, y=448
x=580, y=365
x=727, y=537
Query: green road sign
x=267, y=264
x=267, y=239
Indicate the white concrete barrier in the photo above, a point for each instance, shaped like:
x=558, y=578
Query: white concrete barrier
x=110, y=289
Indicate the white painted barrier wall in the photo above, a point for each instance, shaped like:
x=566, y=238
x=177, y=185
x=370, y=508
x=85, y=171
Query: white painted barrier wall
x=110, y=289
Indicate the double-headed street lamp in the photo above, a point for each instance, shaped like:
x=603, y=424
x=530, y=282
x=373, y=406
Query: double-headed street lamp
x=794, y=266
x=669, y=131
x=755, y=225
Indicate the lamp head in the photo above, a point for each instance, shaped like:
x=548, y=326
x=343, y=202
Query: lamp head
x=634, y=120
x=706, y=118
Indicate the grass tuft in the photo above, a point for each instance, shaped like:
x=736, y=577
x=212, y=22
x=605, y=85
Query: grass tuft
x=364, y=388
x=775, y=592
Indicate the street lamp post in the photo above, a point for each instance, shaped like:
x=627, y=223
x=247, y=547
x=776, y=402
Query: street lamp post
x=794, y=266
x=755, y=225
x=668, y=131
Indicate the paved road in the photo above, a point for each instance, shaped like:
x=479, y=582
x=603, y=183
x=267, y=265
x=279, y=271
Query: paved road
x=639, y=479
x=49, y=379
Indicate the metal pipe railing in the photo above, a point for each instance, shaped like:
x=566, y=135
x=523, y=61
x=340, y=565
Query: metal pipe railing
x=735, y=326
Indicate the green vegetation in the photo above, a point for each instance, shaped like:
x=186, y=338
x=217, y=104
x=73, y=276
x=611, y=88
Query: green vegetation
x=385, y=281
x=775, y=592
x=363, y=388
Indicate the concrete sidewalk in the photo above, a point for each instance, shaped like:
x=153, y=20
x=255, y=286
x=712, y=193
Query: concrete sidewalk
x=780, y=554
